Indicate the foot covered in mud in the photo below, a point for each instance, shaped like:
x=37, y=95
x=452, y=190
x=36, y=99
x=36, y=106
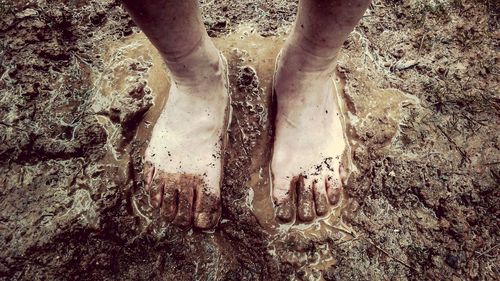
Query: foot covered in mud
x=309, y=140
x=183, y=161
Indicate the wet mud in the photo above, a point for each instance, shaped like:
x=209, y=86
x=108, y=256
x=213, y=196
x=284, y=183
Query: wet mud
x=81, y=88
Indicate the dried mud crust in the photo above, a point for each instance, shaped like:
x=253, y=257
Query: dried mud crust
x=425, y=194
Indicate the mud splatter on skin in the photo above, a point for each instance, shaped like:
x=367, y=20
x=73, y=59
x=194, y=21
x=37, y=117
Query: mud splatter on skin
x=181, y=199
x=422, y=120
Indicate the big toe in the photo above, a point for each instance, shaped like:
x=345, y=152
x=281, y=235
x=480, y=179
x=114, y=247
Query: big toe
x=207, y=208
x=333, y=188
x=284, y=202
x=285, y=210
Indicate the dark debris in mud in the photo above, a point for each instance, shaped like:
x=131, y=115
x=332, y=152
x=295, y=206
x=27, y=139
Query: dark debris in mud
x=426, y=194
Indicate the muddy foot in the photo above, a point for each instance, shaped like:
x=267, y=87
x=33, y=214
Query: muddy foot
x=184, y=157
x=309, y=140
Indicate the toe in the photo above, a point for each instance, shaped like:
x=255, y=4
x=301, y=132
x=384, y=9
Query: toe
x=148, y=174
x=170, y=198
x=207, y=207
x=333, y=188
x=320, y=197
x=283, y=198
x=184, y=214
x=284, y=209
x=155, y=190
x=153, y=185
x=305, y=202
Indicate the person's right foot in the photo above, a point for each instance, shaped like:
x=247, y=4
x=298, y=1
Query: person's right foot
x=309, y=139
x=183, y=159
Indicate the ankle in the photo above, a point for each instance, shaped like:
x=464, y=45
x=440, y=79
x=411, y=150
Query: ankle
x=304, y=74
x=194, y=64
x=309, y=55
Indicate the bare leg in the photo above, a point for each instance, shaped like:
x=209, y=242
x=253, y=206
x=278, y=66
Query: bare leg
x=309, y=138
x=183, y=167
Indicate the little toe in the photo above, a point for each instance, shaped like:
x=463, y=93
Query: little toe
x=305, y=202
x=184, y=214
x=207, y=207
x=156, y=192
x=283, y=198
x=170, y=197
x=333, y=189
x=148, y=174
x=320, y=197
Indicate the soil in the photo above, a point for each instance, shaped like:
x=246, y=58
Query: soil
x=80, y=88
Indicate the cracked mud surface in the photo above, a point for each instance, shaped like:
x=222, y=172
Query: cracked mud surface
x=79, y=89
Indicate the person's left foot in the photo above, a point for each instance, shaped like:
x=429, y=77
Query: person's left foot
x=309, y=139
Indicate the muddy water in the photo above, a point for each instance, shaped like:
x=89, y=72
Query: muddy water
x=128, y=62
x=246, y=47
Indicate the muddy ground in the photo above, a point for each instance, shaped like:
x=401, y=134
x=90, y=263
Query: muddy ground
x=419, y=85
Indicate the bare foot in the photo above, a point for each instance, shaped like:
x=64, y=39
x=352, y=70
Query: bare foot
x=309, y=139
x=184, y=158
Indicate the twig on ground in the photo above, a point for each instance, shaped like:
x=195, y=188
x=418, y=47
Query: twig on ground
x=487, y=251
x=345, y=231
x=464, y=155
x=390, y=256
x=421, y=43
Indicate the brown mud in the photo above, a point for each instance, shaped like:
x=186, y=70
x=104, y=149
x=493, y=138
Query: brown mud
x=80, y=89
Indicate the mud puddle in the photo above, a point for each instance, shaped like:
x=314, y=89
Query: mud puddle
x=134, y=60
x=425, y=169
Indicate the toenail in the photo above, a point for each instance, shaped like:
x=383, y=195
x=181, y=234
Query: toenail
x=203, y=220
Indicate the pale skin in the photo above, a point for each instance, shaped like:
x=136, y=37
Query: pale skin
x=183, y=169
